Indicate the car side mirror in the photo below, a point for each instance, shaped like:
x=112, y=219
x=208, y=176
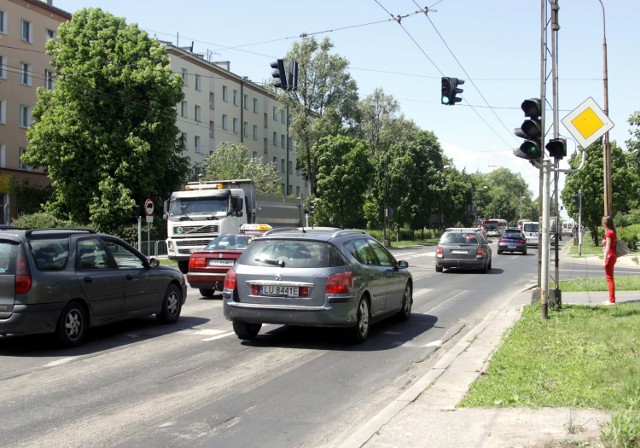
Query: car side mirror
x=154, y=262
x=403, y=264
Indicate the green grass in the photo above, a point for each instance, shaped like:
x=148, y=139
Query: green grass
x=580, y=357
x=623, y=283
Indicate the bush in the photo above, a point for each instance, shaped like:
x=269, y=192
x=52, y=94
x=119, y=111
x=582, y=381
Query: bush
x=630, y=236
x=43, y=220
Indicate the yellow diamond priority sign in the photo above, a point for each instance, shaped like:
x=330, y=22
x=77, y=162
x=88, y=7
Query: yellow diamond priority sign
x=587, y=123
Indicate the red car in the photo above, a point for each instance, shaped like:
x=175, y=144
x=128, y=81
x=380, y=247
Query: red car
x=208, y=266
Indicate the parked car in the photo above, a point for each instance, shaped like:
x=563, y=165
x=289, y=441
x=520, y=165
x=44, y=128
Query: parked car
x=207, y=267
x=66, y=281
x=512, y=240
x=323, y=277
x=463, y=248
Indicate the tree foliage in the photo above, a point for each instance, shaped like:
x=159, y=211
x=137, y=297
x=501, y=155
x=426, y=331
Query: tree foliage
x=232, y=161
x=344, y=172
x=107, y=135
x=326, y=102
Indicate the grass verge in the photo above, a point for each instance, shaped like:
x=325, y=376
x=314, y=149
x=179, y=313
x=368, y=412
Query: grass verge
x=581, y=357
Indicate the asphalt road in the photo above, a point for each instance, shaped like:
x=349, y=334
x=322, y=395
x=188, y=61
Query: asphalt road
x=195, y=384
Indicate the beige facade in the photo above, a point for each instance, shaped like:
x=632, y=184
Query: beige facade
x=25, y=27
x=220, y=106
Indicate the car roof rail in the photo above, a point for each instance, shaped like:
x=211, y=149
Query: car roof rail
x=301, y=230
x=34, y=232
x=347, y=232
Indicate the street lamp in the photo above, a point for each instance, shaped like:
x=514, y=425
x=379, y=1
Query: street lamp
x=608, y=192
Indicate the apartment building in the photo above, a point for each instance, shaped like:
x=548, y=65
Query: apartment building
x=25, y=27
x=220, y=106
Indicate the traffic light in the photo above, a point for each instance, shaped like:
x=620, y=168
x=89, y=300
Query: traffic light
x=530, y=131
x=135, y=212
x=449, y=90
x=292, y=75
x=557, y=148
x=279, y=74
x=312, y=207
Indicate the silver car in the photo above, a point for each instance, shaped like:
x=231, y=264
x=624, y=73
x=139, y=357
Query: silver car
x=463, y=248
x=316, y=277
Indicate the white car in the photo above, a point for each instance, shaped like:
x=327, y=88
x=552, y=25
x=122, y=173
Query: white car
x=531, y=232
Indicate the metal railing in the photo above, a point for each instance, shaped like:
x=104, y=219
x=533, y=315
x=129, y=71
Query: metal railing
x=153, y=248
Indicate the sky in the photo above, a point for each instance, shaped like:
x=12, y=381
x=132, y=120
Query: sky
x=494, y=45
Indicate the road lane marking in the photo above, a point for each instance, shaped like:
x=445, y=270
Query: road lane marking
x=60, y=361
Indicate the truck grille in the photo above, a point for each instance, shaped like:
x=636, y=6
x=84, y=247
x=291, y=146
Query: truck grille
x=192, y=243
x=193, y=230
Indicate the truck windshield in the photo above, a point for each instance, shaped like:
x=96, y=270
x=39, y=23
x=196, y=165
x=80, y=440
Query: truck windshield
x=211, y=205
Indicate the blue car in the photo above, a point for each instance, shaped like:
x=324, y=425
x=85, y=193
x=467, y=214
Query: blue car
x=512, y=240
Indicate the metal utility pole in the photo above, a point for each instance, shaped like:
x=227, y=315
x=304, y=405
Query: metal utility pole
x=608, y=195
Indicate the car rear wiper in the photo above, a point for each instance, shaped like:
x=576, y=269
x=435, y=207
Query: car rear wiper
x=278, y=262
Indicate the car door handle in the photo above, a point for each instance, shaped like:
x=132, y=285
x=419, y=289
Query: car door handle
x=129, y=277
x=88, y=279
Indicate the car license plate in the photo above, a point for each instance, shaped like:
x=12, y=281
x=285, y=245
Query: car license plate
x=273, y=290
x=511, y=247
x=459, y=252
x=220, y=262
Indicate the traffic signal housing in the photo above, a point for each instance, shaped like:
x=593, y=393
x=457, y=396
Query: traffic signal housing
x=279, y=74
x=312, y=207
x=530, y=131
x=292, y=75
x=557, y=148
x=449, y=90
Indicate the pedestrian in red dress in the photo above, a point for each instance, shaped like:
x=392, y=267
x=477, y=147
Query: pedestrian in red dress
x=609, y=254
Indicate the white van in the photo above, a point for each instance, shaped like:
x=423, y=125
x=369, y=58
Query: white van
x=531, y=232
x=567, y=228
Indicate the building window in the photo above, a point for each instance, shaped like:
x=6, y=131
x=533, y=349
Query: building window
x=185, y=77
x=235, y=125
x=212, y=100
x=225, y=94
x=211, y=129
x=275, y=113
x=196, y=144
x=255, y=132
x=282, y=116
x=255, y=105
x=51, y=34
x=48, y=79
x=25, y=116
x=225, y=124
x=265, y=146
x=185, y=138
x=245, y=102
x=3, y=67
x=275, y=139
x=3, y=111
x=25, y=74
x=297, y=191
x=198, y=82
x=245, y=129
x=26, y=32
x=196, y=113
x=3, y=22
x=22, y=166
x=282, y=141
x=235, y=97
x=184, y=109
x=282, y=165
x=3, y=161
x=275, y=162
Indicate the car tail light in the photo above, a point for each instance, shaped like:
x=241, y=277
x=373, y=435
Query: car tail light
x=480, y=252
x=523, y=241
x=439, y=251
x=197, y=262
x=230, y=279
x=23, y=273
x=340, y=283
x=502, y=240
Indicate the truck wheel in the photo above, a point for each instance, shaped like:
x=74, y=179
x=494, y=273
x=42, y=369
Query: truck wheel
x=183, y=265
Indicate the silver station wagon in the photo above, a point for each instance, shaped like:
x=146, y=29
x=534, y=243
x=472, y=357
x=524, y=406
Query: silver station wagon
x=321, y=277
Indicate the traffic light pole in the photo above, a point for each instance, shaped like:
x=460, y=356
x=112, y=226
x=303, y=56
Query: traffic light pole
x=545, y=243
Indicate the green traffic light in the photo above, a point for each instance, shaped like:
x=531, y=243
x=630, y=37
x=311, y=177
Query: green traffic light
x=530, y=149
x=444, y=99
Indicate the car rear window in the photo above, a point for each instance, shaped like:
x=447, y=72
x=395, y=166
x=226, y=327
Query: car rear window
x=230, y=242
x=292, y=253
x=50, y=254
x=8, y=255
x=460, y=238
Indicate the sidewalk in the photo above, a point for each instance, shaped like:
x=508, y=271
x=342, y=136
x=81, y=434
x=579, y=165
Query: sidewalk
x=425, y=415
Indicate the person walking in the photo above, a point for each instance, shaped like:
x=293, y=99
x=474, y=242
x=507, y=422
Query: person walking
x=610, y=258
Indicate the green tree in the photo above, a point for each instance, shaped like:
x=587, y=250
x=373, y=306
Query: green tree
x=344, y=172
x=232, y=161
x=326, y=102
x=633, y=146
x=106, y=135
x=508, y=193
x=589, y=180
